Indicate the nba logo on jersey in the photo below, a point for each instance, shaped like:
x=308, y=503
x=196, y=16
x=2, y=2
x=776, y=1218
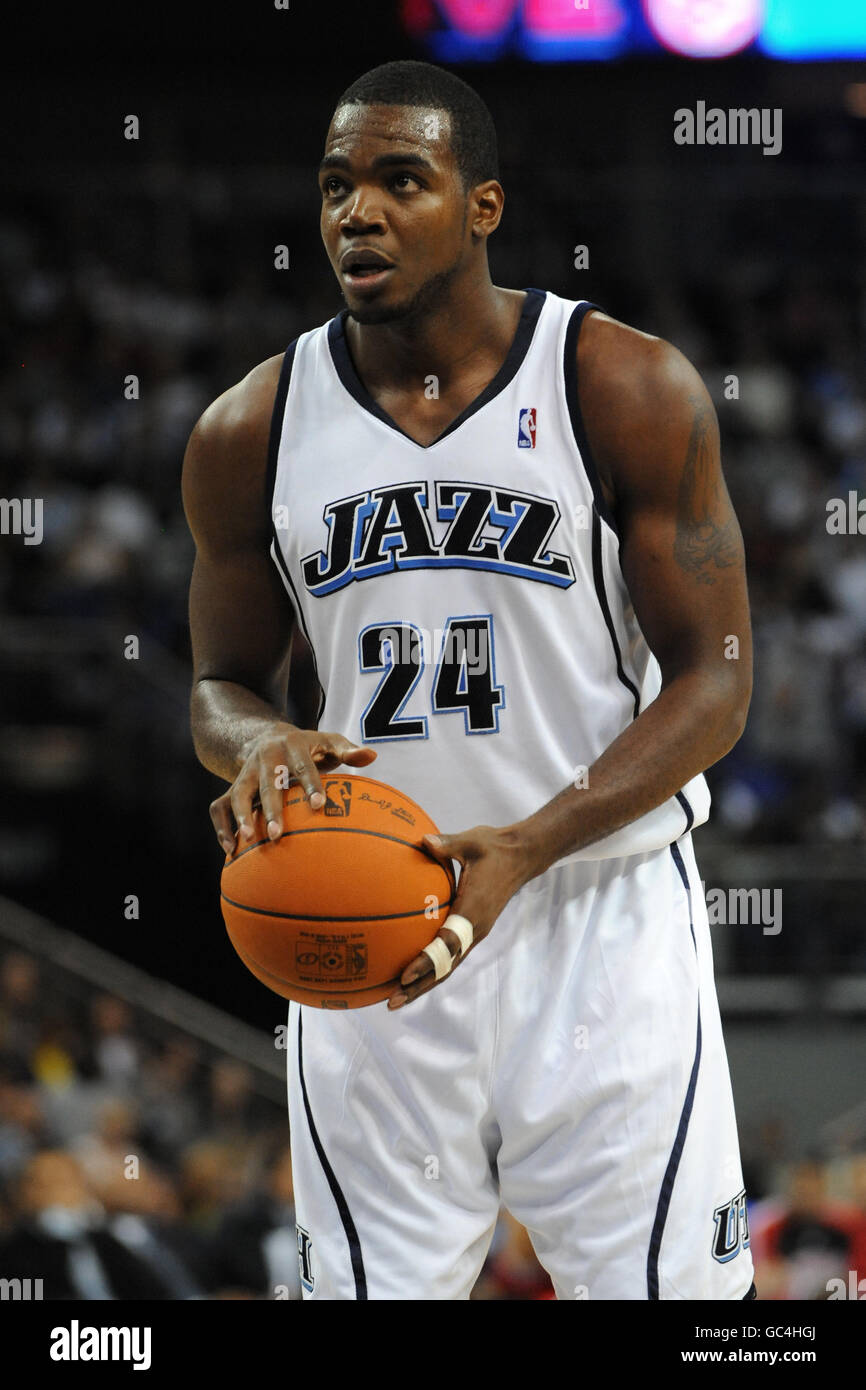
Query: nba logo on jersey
x=526, y=428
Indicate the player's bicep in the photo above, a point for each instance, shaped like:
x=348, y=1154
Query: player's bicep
x=241, y=622
x=241, y=618
x=682, y=549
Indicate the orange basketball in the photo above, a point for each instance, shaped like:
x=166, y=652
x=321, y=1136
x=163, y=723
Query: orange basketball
x=332, y=912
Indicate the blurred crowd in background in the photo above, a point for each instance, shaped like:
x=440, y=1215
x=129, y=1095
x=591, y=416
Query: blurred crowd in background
x=133, y=1167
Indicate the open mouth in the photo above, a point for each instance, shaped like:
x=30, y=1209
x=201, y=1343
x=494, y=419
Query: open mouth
x=365, y=268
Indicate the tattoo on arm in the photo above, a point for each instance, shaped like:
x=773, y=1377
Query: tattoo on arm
x=703, y=542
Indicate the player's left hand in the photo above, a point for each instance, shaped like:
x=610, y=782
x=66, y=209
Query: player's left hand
x=495, y=862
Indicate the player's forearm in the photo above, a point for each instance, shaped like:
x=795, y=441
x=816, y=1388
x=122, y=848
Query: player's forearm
x=226, y=718
x=691, y=725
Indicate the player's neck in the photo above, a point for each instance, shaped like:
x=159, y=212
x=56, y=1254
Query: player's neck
x=477, y=320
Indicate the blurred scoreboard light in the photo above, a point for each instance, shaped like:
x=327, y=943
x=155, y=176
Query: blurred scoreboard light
x=457, y=30
x=705, y=28
x=561, y=29
x=472, y=30
x=573, y=30
x=810, y=29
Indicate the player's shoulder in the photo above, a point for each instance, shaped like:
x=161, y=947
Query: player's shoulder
x=622, y=365
x=640, y=398
x=242, y=414
x=225, y=466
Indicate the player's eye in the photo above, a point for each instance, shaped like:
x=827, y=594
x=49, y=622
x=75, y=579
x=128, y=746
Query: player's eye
x=331, y=184
x=400, y=182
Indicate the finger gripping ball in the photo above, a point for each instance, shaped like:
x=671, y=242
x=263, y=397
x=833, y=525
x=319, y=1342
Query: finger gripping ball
x=332, y=912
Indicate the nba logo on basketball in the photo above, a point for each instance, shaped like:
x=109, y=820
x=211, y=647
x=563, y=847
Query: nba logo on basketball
x=526, y=428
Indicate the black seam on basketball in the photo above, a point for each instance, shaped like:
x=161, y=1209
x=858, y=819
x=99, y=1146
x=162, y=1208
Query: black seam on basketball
x=309, y=917
x=343, y=830
x=250, y=961
x=352, y=777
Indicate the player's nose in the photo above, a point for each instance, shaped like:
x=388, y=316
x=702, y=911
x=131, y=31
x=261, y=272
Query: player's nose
x=362, y=212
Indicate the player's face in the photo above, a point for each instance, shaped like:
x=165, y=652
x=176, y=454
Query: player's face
x=393, y=209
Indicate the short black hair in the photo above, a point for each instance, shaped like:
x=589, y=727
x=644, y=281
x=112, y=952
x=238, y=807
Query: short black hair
x=410, y=83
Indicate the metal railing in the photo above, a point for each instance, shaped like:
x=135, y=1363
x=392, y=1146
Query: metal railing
x=173, y=1009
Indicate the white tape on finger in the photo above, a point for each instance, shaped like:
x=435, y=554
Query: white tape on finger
x=440, y=956
x=462, y=929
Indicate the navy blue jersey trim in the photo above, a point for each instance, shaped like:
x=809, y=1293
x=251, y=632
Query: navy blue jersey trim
x=277, y=415
x=681, y=870
x=667, y=1187
x=277, y=422
x=336, y=1191
x=569, y=367
x=601, y=593
x=345, y=368
x=296, y=603
x=687, y=808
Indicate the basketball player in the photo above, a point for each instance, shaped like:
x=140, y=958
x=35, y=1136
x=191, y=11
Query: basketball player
x=498, y=517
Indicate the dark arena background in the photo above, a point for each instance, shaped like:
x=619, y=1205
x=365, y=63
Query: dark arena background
x=138, y=281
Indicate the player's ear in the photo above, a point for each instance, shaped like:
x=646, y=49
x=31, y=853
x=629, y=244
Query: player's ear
x=486, y=201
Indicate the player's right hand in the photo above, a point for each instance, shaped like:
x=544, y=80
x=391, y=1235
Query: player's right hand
x=303, y=753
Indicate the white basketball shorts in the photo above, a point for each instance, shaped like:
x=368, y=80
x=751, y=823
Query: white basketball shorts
x=572, y=1067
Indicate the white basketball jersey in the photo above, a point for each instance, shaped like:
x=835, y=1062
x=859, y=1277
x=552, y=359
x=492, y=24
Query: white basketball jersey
x=464, y=600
